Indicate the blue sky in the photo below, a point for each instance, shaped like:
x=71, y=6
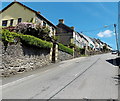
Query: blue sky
x=84, y=16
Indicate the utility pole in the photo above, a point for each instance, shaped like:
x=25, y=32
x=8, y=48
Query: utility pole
x=119, y=28
x=116, y=38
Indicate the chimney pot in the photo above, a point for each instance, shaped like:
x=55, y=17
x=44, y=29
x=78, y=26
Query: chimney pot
x=61, y=21
x=73, y=27
x=38, y=12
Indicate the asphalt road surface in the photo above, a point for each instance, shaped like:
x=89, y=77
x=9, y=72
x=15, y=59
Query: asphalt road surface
x=85, y=77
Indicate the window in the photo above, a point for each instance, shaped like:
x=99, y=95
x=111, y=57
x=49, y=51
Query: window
x=53, y=29
x=19, y=20
x=44, y=24
x=11, y=22
x=4, y=22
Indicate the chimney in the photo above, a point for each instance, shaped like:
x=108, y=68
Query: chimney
x=73, y=27
x=61, y=21
x=38, y=12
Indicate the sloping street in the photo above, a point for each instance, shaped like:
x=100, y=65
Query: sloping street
x=85, y=77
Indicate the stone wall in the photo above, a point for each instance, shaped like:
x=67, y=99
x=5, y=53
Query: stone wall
x=20, y=58
x=63, y=56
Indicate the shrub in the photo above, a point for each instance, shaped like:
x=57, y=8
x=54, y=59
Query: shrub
x=8, y=36
x=36, y=30
x=43, y=33
x=78, y=49
x=26, y=28
x=36, y=41
x=65, y=48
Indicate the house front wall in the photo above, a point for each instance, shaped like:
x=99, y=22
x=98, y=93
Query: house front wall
x=109, y=48
x=65, y=37
x=16, y=11
x=39, y=20
x=77, y=40
x=97, y=46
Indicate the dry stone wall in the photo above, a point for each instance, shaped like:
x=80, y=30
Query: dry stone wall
x=20, y=58
x=64, y=56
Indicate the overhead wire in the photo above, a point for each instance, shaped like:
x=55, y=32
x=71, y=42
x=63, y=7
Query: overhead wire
x=98, y=29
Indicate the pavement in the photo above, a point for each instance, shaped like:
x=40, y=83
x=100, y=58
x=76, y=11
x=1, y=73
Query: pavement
x=80, y=78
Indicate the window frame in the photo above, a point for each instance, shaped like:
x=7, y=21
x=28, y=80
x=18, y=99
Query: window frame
x=20, y=20
x=11, y=22
x=44, y=23
x=4, y=23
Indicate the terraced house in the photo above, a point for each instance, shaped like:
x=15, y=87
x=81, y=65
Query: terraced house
x=23, y=14
x=90, y=45
x=68, y=35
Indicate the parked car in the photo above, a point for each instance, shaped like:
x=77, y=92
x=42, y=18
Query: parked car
x=114, y=51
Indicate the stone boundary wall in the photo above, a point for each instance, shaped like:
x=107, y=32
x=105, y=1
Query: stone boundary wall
x=63, y=56
x=20, y=58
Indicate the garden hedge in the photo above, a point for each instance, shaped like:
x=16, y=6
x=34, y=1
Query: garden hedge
x=65, y=48
x=31, y=40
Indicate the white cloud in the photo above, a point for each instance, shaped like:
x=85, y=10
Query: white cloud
x=106, y=33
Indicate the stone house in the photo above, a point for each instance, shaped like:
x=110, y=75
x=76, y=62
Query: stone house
x=67, y=35
x=16, y=12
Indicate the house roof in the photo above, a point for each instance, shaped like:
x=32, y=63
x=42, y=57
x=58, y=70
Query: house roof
x=93, y=40
x=99, y=41
x=89, y=40
x=83, y=37
x=37, y=13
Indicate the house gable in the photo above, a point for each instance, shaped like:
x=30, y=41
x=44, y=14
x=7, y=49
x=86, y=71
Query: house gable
x=15, y=11
x=21, y=11
x=63, y=28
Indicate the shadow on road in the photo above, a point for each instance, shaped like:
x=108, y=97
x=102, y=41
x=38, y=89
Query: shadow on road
x=115, y=62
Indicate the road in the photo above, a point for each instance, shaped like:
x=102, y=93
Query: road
x=84, y=77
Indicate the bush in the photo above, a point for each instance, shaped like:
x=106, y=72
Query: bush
x=65, y=49
x=26, y=28
x=36, y=41
x=36, y=30
x=9, y=37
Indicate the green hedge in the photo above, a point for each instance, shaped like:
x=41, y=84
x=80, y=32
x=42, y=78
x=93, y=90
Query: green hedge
x=31, y=40
x=65, y=49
